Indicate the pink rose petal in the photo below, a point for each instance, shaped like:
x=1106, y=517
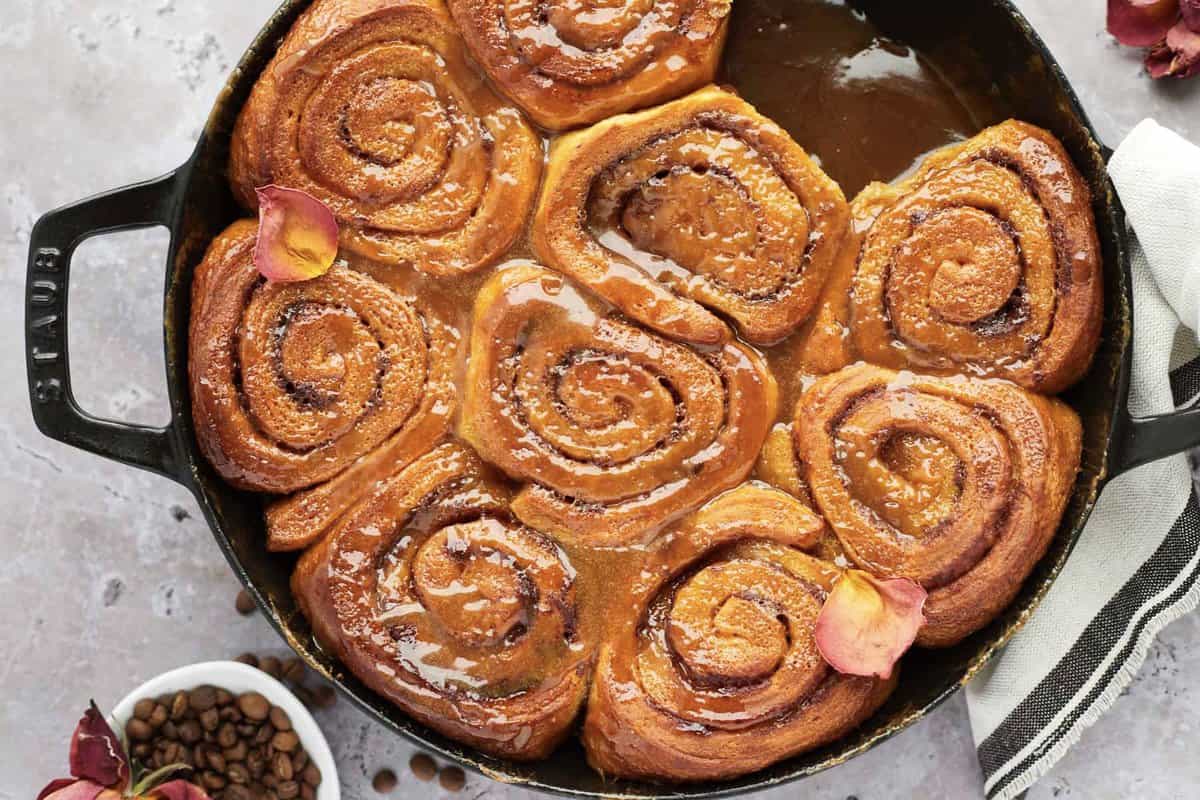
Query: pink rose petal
x=1178, y=56
x=1191, y=14
x=96, y=752
x=867, y=623
x=67, y=789
x=1141, y=23
x=178, y=790
x=297, y=235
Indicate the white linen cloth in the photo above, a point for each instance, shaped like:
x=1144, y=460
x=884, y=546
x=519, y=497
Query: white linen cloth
x=1136, y=564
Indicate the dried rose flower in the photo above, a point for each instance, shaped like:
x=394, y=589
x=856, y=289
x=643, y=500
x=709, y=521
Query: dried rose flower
x=100, y=769
x=867, y=623
x=297, y=235
x=1178, y=56
x=1170, y=28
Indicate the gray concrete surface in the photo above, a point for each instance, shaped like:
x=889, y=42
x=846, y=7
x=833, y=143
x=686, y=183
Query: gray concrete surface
x=108, y=575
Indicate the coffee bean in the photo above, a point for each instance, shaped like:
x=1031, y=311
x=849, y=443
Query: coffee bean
x=280, y=719
x=311, y=775
x=224, y=697
x=212, y=781
x=299, y=760
x=324, y=696
x=255, y=762
x=269, y=794
x=202, y=698
x=452, y=779
x=141, y=750
x=254, y=706
x=199, y=756
x=269, y=780
x=158, y=716
x=244, y=603
x=384, y=781
x=235, y=753
x=189, y=731
x=226, y=735
x=246, y=729
x=424, y=767
x=210, y=719
x=237, y=792
x=264, y=734
x=230, y=713
x=138, y=730
x=143, y=708
x=269, y=665
x=170, y=730
x=179, y=705
x=249, y=659
x=216, y=760
x=305, y=696
x=285, y=741
x=307, y=792
x=281, y=765
x=236, y=773
x=292, y=670
x=286, y=790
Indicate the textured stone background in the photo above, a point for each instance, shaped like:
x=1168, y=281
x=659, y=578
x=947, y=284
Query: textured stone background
x=108, y=575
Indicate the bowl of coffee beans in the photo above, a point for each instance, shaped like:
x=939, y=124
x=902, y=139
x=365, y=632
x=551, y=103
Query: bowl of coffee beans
x=243, y=734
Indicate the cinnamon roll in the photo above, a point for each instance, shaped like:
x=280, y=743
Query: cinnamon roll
x=372, y=107
x=616, y=430
x=985, y=262
x=569, y=64
x=441, y=602
x=718, y=673
x=956, y=483
x=296, y=383
x=698, y=206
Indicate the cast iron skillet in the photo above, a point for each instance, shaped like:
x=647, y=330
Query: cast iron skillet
x=991, y=47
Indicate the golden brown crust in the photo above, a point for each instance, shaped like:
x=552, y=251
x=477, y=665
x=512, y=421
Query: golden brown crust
x=958, y=483
x=618, y=430
x=718, y=673
x=372, y=107
x=296, y=383
x=436, y=599
x=631, y=209
x=571, y=64
x=984, y=262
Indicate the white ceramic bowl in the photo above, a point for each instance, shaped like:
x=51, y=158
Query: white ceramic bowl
x=238, y=678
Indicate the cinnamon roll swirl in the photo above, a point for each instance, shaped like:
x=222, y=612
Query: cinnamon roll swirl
x=569, y=64
x=699, y=204
x=296, y=383
x=616, y=429
x=718, y=673
x=956, y=483
x=372, y=107
x=986, y=262
x=439, y=601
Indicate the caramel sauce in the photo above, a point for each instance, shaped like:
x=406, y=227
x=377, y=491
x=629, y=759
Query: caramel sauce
x=868, y=108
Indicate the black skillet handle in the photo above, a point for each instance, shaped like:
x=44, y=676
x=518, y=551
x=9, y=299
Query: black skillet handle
x=1140, y=440
x=51, y=246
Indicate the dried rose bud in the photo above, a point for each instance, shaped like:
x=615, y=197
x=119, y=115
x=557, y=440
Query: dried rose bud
x=297, y=235
x=1141, y=23
x=867, y=623
x=1178, y=56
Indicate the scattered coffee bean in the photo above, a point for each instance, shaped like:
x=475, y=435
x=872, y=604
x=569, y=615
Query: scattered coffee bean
x=324, y=696
x=452, y=779
x=249, y=659
x=244, y=603
x=384, y=781
x=424, y=767
x=270, y=665
x=292, y=670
